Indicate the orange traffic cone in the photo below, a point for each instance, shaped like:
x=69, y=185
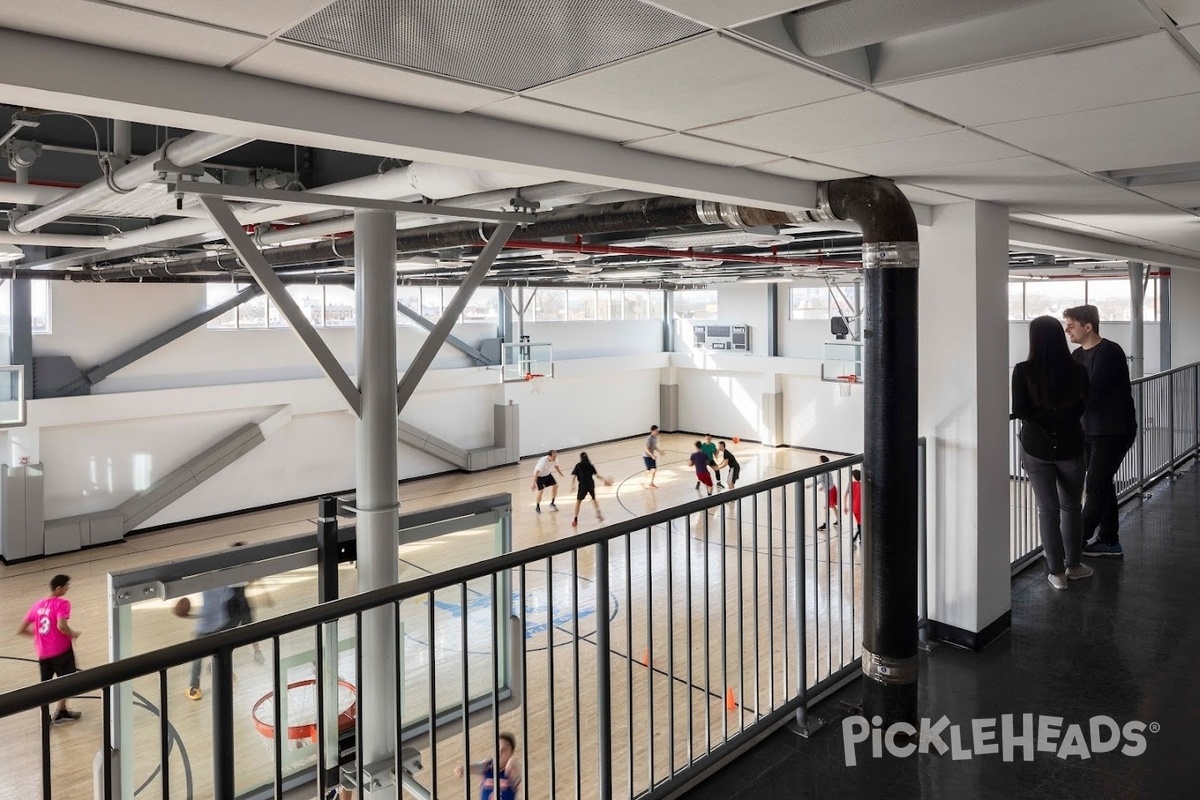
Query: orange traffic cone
x=646, y=658
x=730, y=700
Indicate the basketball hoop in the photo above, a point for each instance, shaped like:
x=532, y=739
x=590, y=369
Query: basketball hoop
x=844, y=384
x=536, y=381
x=301, y=716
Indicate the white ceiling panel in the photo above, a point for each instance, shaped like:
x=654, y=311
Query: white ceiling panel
x=698, y=82
x=1094, y=77
x=1184, y=12
x=572, y=120
x=922, y=152
x=294, y=64
x=127, y=29
x=805, y=170
x=1193, y=35
x=845, y=122
x=261, y=16
x=1131, y=136
x=697, y=149
x=726, y=13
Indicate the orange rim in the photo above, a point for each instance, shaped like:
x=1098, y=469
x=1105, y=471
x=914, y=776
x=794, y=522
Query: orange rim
x=345, y=720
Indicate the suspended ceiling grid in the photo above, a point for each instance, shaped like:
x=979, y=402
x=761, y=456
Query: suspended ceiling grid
x=1032, y=120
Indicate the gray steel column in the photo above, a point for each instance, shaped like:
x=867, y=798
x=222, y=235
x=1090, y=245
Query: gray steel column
x=375, y=465
x=1137, y=293
x=772, y=319
x=1164, y=320
x=504, y=329
x=21, y=341
x=668, y=321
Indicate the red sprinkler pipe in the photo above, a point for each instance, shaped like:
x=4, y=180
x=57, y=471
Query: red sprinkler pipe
x=578, y=246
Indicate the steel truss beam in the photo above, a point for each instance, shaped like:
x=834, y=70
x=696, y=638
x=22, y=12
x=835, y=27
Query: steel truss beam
x=244, y=246
x=452, y=340
x=437, y=336
x=223, y=191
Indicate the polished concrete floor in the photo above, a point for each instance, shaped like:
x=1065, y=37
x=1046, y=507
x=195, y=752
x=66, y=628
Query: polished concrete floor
x=1124, y=644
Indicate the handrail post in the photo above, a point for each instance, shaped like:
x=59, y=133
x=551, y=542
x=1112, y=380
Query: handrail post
x=224, y=783
x=922, y=545
x=604, y=672
x=1141, y=437
x=1171, y=422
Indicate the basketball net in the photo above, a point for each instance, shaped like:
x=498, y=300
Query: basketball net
x=844, y=384
x=536, y=382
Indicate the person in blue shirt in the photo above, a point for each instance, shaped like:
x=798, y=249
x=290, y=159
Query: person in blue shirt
x=213, y=617
x=510, y=771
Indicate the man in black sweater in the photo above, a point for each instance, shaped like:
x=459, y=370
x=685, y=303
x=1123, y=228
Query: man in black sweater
x=1109, y=427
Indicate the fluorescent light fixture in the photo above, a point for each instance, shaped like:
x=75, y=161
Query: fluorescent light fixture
x=767, y=279
x=720, y=239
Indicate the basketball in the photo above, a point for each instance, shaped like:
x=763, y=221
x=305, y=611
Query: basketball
x=608, y=481
x=183, y=607
x=737, y=440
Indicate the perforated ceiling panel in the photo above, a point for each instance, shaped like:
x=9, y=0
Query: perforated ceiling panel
x=514, y=44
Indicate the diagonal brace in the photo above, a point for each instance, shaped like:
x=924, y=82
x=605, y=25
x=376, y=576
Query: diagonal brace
x=244, y=246
x=99, y=372
x=437, y=336
x=452, y=340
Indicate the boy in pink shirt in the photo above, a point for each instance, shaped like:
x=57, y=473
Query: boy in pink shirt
x=53, y=639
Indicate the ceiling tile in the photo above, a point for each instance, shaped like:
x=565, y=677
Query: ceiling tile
x=1131, y=136
x=573, y=120
x=697, y=82
x=922, y=152
x=1184, y=12
x=804, y=170
x=697, y=149
x=1193, y=35
x=1094, y=77
x=859, y=119
x=261, y=16
x=726, y=13
x=295, y=64
x=128, y=29
x=1185, y=194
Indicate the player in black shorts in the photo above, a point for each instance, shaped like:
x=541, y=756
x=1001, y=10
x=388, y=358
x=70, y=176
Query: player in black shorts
x=585, y=474
x=728, y=459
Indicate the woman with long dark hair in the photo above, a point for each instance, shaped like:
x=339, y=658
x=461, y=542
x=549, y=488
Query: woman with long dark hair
x=1049, y=391
x=585, y=473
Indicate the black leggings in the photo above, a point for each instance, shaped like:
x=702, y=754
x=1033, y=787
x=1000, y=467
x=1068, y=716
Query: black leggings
x=1104, y=457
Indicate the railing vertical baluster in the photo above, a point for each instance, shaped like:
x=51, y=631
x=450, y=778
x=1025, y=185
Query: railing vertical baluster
x=670, y=553
x=224, y=781
x=277, y=717
x=783, y=604
x=828, y=585
x=603, y=674
x=498, y=627
x=363, y=699
x=575, y=671
x=771, y=601
x=523, y=638
x=1171, y=421
x=757, y=610
x=401, y=670
x=724, y=620
x=106, y=762
x=433, y=703
x=466, y=687
x=801, y=600
x=629, y=661
x=922, y=545
x=551, y=629
x=47, y=793
x=687, y=556
x=741, y=620
x=707, y=639
x=650, y=656
x=322, y=740
x=1141, y=437
x=164, y=736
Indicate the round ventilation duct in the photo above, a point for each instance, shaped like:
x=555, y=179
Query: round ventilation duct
x=849, y=24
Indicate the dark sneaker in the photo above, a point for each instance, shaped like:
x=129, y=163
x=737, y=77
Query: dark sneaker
x=537, y=509
x=821, y=527
x=66, y=715
x=1099, y=549
x=552, y=506
x=720, y=485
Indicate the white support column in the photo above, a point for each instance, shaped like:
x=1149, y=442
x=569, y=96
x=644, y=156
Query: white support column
x=964, y=415
x=1137, y=329
x=375, y=463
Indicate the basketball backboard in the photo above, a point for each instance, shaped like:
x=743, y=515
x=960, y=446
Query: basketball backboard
x=522, y=361
x=841, y=360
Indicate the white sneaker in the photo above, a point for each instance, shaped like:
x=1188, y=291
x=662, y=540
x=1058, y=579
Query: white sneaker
x=1081, y=571
x=1058, y=581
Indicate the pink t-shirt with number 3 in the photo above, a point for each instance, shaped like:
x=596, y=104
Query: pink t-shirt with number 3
x=48, y=640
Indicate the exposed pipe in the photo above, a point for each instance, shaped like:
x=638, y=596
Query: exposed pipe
x=122, y=145
x=54, y=240
x=578, y=246
x=185, y=152
x=890, y=260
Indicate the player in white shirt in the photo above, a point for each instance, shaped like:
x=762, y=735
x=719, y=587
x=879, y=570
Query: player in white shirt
x=542, y=478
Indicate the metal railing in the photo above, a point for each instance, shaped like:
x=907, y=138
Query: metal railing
x=643, y=656
x=1168, y=434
